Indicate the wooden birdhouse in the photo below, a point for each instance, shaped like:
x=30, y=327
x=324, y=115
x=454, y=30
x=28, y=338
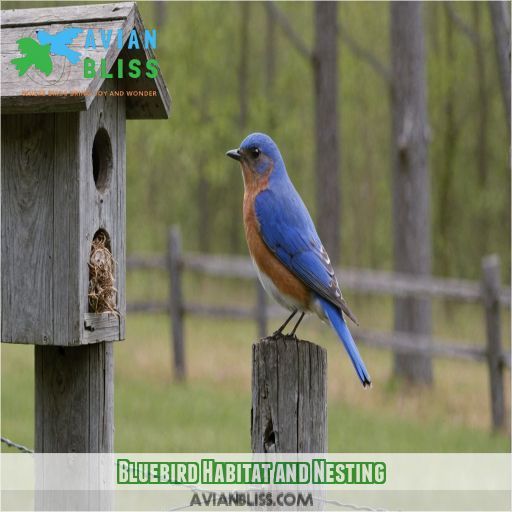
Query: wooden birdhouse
x=64, y=167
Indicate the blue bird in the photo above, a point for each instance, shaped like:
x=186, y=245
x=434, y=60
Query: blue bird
x=59, y=42
x=291, y=262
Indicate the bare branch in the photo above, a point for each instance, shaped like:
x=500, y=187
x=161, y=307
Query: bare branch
x=500, y=16
x=364, y=54
x=288, y=29
x=461, y=24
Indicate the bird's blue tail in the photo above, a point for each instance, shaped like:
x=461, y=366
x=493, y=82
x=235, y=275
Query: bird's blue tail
x=335, y=317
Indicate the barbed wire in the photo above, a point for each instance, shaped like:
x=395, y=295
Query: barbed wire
x=18, y=446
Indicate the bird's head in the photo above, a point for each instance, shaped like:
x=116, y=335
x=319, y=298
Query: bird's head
x=259, y=156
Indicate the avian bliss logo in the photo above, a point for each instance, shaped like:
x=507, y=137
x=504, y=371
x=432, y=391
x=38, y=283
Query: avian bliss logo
x=38, y=52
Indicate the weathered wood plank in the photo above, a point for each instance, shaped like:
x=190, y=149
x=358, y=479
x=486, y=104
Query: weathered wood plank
x=147, y=108
x=74, y=398
x=67, y=79
x=121, y=215
x=490, y=288
x=417, y=344
x=146, y=261
x=289, y=397
x=101, y=327
x=361, y=280
x=102, y=209
x=442, y=348
x=220, y=265
x=148, y=307
x=27, y=228
x=72, y=14
x=51, y=210
x=218, y=311
x=67, y=322
x=404, y=285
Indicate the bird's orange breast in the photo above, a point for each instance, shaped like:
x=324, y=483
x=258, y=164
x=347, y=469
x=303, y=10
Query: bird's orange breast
x=285, y=281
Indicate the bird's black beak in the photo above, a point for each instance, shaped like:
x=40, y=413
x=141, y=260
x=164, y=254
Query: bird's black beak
x=234, y=153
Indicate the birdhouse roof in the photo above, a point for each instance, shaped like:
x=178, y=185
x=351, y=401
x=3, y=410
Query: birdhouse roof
x=50, y=77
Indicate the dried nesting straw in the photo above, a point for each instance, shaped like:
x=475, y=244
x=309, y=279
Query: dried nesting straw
x=102, y=293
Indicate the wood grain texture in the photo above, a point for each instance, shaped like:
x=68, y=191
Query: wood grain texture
x=66, y=14
x=289, y=396
x=121, y=215
x=74, y=398
x=65, y=237
x=101, y=327
x=66, y=78
x=51, y=210
x=27, y=228
x=102, y=210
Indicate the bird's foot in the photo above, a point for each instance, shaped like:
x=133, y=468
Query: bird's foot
x=279, y=334
x=276, y=334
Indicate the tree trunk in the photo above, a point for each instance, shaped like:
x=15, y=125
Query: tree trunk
x=450, y=145
x=327, y=161
x=160, y=9
x=483, y=102
x=482, y=130
x=411, y=187
x=243, y=63
x=500, y=16
x=243, y=102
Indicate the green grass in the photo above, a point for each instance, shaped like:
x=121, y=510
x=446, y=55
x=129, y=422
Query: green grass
x=211, y=411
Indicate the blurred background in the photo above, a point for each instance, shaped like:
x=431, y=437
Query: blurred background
x=393, y=120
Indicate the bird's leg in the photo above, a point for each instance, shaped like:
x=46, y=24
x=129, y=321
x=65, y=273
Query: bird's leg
x=280, y=330
x=297, y=324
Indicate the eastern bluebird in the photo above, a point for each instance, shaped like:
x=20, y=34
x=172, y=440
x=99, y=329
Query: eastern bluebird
x=59, y=42
x=292, y=264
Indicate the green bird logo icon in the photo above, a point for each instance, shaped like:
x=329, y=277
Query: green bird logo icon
x=35, y=54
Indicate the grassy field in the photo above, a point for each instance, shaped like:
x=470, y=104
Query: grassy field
x=211, y=411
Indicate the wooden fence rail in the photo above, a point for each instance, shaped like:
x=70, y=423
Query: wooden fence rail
x=489, y=293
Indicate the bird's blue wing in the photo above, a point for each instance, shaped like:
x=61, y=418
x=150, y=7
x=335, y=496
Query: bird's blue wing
x=67, y=35
x=288, y=230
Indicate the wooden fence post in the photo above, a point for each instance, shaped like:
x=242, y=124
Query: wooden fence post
x=74, y=402
x=491, y=283
x=289, y=396
x=74, y=413
x=174, y=257
x=261, y=310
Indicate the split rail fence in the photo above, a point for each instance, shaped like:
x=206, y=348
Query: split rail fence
x=488, y=292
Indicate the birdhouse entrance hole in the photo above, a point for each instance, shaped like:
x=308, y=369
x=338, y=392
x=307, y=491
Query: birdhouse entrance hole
x=102, y=159
x=102, y=291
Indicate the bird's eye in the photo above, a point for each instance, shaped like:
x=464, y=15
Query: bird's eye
x=255, y=153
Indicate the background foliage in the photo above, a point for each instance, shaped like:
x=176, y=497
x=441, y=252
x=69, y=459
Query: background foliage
x=199, y=52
